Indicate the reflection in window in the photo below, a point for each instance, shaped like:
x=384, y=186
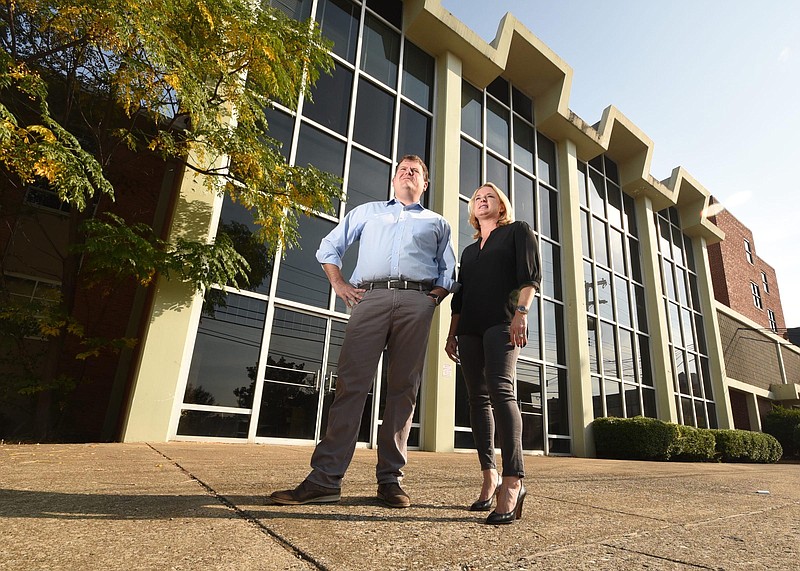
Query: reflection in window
x=389, y=10
x=226, y=350
x=469, y=175
x=499, y=89
x=465, y=229
x=529, y=399
x=498, y=172
x=297, y=9
x=522, y=104
x=368, y=179
x=418, y=73
x=497, y=128
x=290, y=396
x=471, y=111
x=325, y=105
x=279, y=127
x=523, y=145
x=524, y=199
x=237, y=222
x=300, y=277
x=413, y=137
x=339, y=23
x=621, y=346
x=687, y=342
x=380, y=51
x=374, y=116
x=557, y=412
x=546, y=153
x=487, y=154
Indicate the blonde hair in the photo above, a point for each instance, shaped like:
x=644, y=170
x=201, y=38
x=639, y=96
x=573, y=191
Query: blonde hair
x=506, y=212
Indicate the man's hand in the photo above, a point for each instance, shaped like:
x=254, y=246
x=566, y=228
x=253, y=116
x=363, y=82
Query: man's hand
x=349, y=294
x=345, y=291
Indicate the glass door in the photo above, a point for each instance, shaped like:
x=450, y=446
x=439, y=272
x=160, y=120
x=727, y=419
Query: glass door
x=292, y=376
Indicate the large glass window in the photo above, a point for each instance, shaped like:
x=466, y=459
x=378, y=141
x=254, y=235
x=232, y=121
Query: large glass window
x=694, y=396
x=616, y=314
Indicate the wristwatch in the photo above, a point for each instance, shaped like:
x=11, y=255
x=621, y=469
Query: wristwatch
x=434, y=297
x=522, y=309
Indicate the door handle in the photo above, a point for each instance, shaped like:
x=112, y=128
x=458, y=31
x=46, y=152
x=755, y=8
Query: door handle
x=331, y=379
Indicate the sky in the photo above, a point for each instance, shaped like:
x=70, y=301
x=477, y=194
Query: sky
x=714, y=84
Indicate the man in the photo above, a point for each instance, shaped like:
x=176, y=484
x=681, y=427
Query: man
x=405, y=268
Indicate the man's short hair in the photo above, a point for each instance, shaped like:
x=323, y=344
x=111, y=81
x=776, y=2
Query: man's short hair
x=415, y=159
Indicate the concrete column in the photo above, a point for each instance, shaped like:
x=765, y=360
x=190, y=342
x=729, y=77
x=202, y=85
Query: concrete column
x=656, y=312
x=716, y=358
x=438, y=412
x=576, y=332
x=163, y=368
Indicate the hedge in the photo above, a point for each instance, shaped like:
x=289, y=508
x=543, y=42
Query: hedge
x=641, y=438
x=637, y=438
x=692, y=445
x=746, y=446
x=781, y=423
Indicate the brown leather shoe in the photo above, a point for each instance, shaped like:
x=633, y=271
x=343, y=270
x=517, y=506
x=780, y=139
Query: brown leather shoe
x=307, y=493
x=393, y=495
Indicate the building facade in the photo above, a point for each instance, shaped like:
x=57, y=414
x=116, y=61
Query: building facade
x=625, y=324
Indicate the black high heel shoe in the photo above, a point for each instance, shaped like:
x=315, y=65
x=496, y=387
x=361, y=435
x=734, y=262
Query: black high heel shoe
x=484, y=505
x=515, y=514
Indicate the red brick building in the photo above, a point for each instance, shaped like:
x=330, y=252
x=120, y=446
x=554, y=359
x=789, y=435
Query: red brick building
x=743, y=281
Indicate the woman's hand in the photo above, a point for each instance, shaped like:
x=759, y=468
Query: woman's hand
x=451, y=348
x=519, y=329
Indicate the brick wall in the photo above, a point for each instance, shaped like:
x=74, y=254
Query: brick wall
x=732, y=273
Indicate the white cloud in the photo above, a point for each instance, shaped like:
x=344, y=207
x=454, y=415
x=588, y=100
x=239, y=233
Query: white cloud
x=784, y=55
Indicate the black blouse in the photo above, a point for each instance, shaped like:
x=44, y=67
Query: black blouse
x=492, y=276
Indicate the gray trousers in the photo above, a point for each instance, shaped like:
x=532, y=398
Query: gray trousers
x=398, y=320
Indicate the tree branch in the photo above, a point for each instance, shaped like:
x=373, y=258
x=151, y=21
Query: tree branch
x=38, y=56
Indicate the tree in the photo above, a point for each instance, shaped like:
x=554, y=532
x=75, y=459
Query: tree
x=83, y=82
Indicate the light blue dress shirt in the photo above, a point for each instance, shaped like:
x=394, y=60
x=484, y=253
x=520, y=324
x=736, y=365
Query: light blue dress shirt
x=397, y=242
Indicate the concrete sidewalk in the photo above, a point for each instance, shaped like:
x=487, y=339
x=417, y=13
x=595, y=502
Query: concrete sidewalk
x=203, y=506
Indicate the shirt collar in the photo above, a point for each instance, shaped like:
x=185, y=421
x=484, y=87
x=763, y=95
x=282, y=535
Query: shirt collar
x=415, y=206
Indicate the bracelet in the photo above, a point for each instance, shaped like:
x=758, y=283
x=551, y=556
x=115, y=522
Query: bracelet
x=434, y=297
x=451, y=336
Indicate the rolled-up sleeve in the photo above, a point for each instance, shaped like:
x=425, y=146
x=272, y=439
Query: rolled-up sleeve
x=529, y=271
x=446, y=258
x=333, y=246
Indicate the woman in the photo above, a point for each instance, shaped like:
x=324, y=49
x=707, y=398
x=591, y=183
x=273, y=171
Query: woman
x=499, y=277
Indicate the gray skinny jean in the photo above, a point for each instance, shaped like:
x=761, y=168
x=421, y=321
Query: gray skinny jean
x=489, y=364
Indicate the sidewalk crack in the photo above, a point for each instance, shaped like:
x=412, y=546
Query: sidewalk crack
x=246, y=516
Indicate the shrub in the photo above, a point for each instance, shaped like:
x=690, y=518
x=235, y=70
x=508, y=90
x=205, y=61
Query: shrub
x=641, y=438
x=746, y=446
x=637, y=438
x=781, y=422
x=692, y=445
